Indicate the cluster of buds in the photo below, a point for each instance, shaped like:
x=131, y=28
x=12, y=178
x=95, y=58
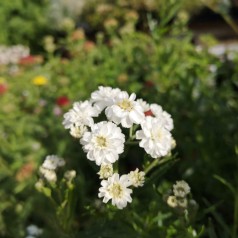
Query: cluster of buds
x=103, y=141
x=179, y=197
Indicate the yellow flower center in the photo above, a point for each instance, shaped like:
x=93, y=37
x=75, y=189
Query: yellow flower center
x=116, y=190
x=126, y=105
x=101, y=141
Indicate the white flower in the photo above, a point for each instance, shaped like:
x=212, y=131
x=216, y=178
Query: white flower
x=155, y=139
x=116, y=189
x=48, y=174
x=52, y=162
x=104, y=97
x=106, y=171
x=33, y=230
x=77, y=131
x=82, y=113
x=163, y=116
x=104, y=143
x=125, y=110
x=144, y=105
x=181, y=189
x=70, y=175
x=137, y=178
x=172, y=201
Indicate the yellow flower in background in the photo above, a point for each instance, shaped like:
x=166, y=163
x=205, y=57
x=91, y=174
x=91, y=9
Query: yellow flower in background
x=2, y=80
x=39, y=80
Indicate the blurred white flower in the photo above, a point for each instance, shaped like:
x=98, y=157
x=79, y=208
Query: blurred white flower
x=137, y=178
x=82, y=113
x=104, y=97
x=70, y=175
x=106, y=171
x=155, y=139
x=104, y=143
x=172, y=201
x=116, y=189
x=52, y=162
x=34, y=230
x=48, y=174
x=181, y=189
x=125, y=110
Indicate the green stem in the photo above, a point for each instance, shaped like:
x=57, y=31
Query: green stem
x=131, y=132
x=151, y=166
x=132, y=142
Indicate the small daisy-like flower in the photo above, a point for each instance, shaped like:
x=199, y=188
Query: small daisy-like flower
x=104, y=143
x=125, y=110
x=116, y=189
x=155, y=139
x=181, y=189
x=82, y=113
x=137, y=178
x=163, y=116
x=77, y=131
x=48, y=174
x=172, y=201
x=106, y=171
x=104, y=97
x=52, y=162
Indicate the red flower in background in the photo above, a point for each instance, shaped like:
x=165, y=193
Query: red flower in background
x=3, y=88
x=31, y=60
x=62, y=101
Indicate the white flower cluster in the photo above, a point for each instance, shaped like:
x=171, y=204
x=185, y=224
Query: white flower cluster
x=12, y=55
x=33, y=231
x=49, y=167
x=179, y=198
x=104, y=141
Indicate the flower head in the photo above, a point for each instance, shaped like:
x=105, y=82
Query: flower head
x=104, y=143
x=172, y=201
x=52, y=162
x=125, y=110
x=104, y=97
x=82, y=113
x=106, y=171
x=116, y=189
x=181, y=189
x=155, y=139
x=137, y=178
x=48, y=174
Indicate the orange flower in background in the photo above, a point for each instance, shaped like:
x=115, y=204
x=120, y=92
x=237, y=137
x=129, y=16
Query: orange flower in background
x=39, y=80
x=25, y=172
x=89, y=46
